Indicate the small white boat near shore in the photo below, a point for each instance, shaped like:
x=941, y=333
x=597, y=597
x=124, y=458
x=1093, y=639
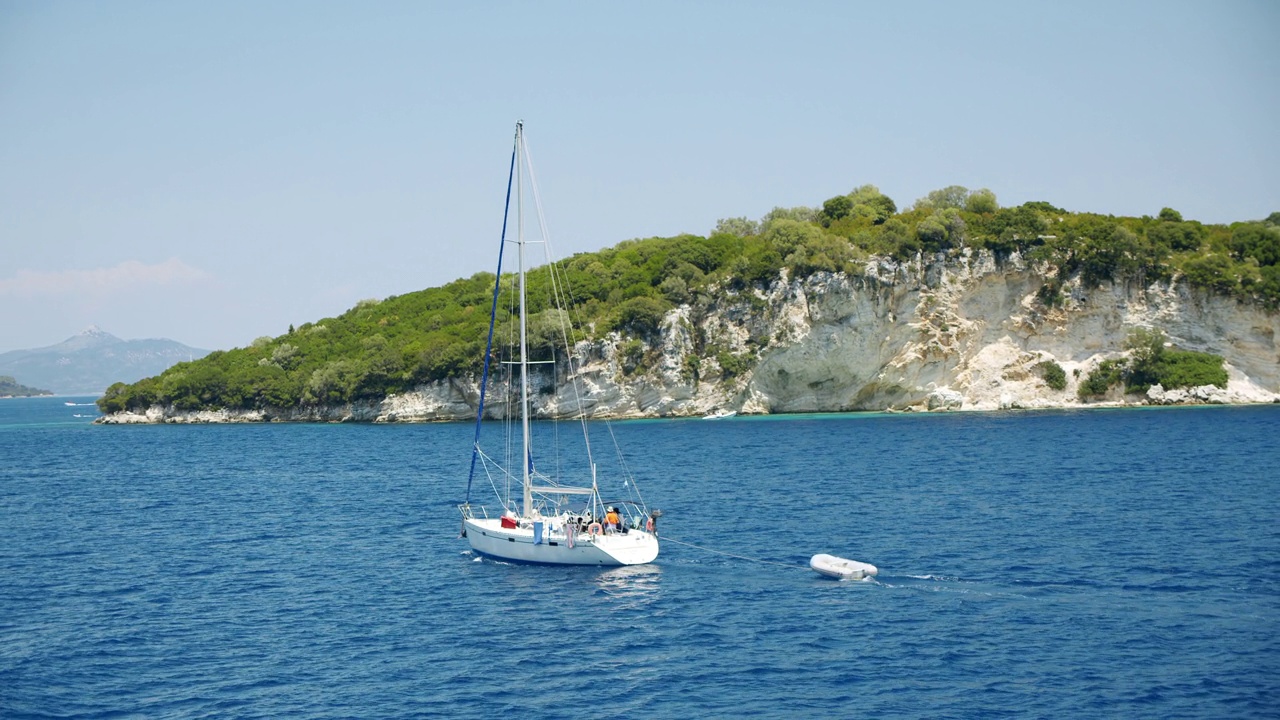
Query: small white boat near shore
x=842, y=568
x=721, y=415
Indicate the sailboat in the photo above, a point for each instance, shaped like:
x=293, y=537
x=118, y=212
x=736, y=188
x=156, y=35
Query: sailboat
x=555, y=515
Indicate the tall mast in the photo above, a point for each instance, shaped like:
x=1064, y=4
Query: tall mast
x=524, y=336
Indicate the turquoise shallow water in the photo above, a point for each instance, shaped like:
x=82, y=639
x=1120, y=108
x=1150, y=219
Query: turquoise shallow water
x=1058, y=564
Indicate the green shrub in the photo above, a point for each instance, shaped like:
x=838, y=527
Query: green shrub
x=640, y=317
x=1151, y=363
x=1212, y=272
x=982, y=202
x=1186, y=368
x=1145, y=347
x=675, y=289
x=1096, y=383
x=732, y=365
x=1050, y=293
x=690, y=367
x=759, y=266
x=115, y=399
x=1053, y=374
x=632, y=356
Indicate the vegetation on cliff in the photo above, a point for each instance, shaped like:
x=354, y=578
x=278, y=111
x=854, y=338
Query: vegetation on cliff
x=1150, y=363
x=382, y=347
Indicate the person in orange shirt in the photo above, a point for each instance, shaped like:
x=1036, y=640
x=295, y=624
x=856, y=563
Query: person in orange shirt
x=611, y=520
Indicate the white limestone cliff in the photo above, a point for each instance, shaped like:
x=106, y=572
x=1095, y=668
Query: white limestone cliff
x=957, y=334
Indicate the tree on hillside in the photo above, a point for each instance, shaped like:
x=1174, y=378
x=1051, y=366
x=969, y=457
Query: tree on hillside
x=1044, y=207
x=942, y=230
x=1257, y=241
x=981, y=201
x=787, y=235
x=807, y=249
x=869, y=202
x=1213, y=272
x=800, y=213
x=901, y=242
x=1015, y=229
x=739, y=226
x=1175, y=234
x=952, y=196
x=836, y=208
x=640, y=317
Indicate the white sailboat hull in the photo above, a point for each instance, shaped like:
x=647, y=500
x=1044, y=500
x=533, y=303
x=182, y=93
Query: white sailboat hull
x=488, y=537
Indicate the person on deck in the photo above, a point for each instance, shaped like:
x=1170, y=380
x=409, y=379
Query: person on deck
x=611, y=520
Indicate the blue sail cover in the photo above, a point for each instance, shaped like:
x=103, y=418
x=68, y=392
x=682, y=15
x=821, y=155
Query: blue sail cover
x=537, y=532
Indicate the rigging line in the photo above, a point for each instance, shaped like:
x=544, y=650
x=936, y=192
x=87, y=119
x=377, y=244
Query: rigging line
x=548, y=249
x=563, y=293
x=574, y=380
x=493, y=314
x=485, y=462
x=736, y=557
x=549, y=253
x=555, y=428
x=622, y=462
x=563, y=298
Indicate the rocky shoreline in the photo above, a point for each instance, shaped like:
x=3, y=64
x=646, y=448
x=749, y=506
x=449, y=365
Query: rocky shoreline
x=372, y=413
x=959, y=334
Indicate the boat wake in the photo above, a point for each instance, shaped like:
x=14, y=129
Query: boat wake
x=947, y=584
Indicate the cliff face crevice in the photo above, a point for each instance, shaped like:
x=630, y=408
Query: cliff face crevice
x=962, y=333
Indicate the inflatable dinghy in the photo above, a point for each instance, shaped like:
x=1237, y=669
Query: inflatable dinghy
x=840, y=568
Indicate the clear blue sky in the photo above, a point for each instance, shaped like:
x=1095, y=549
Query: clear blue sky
x=212, y=172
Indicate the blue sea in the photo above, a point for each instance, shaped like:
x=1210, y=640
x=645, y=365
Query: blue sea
x=1106, y=563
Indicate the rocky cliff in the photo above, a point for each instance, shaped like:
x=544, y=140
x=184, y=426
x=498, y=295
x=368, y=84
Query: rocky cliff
x=965, y=333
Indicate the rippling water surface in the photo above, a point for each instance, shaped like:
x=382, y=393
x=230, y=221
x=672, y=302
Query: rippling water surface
x=1065, y=564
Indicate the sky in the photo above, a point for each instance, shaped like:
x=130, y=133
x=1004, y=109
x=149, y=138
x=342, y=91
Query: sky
x=215, y=172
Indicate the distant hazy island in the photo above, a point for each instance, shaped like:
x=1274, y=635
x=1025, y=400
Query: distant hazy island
x=952, y=304
x=88, y=362
x=9, y=387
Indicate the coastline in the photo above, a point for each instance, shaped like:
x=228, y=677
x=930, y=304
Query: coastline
x=369, y=414
x=961, y=334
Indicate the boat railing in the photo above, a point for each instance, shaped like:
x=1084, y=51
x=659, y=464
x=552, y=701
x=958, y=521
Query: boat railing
x=469, y=512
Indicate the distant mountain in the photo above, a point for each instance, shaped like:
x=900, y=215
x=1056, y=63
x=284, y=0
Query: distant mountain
x=10, y=388
x=91, y=361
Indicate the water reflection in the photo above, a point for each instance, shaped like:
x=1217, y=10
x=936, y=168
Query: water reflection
x=632, y=586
